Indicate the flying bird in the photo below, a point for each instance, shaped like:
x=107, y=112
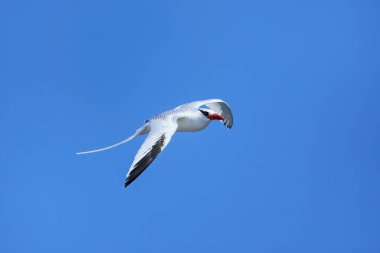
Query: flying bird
x=188, y=117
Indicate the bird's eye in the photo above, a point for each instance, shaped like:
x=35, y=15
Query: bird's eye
x=204, y=113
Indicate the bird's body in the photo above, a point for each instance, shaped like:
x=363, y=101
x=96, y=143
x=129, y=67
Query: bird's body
x=189, y=117
x=188, y=120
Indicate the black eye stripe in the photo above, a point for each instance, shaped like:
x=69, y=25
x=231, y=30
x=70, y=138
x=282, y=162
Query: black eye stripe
x=204, y=112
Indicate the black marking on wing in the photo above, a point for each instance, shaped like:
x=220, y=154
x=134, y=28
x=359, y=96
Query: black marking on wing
x=141, y=165
x=225, y=123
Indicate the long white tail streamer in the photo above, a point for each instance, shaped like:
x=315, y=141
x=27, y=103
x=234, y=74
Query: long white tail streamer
x=109, y=147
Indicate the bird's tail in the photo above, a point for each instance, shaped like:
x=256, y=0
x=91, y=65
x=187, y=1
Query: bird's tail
x=140, y=131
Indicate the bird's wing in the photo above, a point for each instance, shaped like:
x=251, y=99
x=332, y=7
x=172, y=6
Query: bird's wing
x=161, y=131
x=217, y=105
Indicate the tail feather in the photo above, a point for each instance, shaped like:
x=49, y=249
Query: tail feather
x=109, y=147
x=142, y=130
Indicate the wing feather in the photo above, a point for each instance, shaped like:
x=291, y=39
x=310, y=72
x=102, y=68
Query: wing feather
x=159, y=136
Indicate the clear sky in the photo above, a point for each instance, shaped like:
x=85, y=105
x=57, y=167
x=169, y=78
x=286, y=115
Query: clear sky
x=298, y=172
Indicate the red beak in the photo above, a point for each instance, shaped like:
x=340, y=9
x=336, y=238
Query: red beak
x=215, y=117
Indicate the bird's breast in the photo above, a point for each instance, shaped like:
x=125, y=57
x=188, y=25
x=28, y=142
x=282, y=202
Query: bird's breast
x=190, y=124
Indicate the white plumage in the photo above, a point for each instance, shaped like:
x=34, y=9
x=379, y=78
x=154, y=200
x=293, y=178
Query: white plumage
x=189, y=117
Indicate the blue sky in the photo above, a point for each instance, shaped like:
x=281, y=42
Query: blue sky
x=298, y=172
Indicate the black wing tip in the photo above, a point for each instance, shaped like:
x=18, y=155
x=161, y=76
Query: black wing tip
x=227, y=125
x=145, y=161
x=128, y=181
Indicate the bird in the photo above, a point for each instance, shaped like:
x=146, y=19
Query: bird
x=189, y=117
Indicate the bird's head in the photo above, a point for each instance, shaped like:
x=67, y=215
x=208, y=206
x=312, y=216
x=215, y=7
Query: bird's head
x=210, y=114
